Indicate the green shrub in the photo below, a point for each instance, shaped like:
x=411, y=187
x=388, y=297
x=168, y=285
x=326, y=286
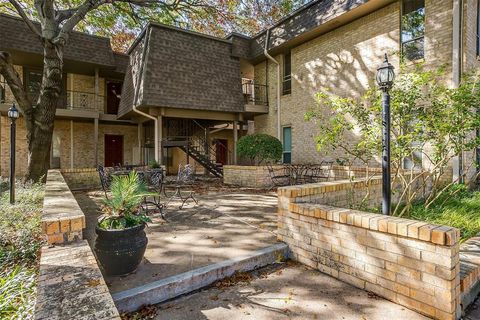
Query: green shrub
x=20, y=241
x=259, y=148
x=458, y=207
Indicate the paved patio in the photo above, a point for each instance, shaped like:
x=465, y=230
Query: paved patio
x=291, y=292
x=223, y=226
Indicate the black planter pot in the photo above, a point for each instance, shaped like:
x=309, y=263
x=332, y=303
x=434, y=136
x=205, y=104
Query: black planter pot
x=120, y=251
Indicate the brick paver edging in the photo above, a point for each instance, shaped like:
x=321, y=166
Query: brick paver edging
x=411, y=263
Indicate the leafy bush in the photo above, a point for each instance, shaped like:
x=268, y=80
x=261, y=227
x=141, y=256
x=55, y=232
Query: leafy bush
x=122, y=208
x=154, y=164
x=259, y=148
x=20, y=241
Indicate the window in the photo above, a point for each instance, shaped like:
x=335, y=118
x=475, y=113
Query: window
x=55, y=151
x=287, y=145
x=413, y=29
x=478, y=28
x=3, y=89
x=287, y=73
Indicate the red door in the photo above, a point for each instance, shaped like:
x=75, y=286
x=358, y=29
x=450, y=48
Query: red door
x=221, y=150
x=113, y=150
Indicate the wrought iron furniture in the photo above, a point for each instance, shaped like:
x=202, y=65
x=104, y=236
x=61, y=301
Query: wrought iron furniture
x=185, y=180
x=105, y=179
x=280, y=176
x=317, y=173
x=154, y=179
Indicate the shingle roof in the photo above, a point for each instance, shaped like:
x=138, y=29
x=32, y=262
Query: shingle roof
x=15, y=35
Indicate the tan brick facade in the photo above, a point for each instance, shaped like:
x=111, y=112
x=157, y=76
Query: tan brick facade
x=344, y=62
x=83, y=143
x=412, y=263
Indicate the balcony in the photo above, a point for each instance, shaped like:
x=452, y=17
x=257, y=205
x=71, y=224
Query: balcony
x=255, y=96
x=85, y=101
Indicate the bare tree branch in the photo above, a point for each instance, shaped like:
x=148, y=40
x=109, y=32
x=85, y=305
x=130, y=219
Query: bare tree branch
x=25, y=18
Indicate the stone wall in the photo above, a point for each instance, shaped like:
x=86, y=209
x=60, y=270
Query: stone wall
x=409, y=262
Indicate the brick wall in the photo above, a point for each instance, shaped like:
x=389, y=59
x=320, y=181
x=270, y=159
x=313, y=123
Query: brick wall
x=409, y=262
x=83, y=143
x=78, y=179
x=344, y=61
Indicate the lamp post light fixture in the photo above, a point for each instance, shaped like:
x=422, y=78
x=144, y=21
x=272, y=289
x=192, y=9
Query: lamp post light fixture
x=385, y=77
x=13, y=114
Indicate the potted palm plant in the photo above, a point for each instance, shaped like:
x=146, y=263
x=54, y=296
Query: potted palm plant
x=121, y=240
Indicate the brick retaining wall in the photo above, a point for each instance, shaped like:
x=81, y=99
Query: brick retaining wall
x=77, y=179
x=412, y=263
x=70, y=284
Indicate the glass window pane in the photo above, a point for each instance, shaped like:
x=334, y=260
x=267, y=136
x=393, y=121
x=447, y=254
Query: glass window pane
x=287, y=139
x=287, y=157
x=413, y=29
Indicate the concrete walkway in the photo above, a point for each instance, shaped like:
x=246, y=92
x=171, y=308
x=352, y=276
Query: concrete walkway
x=292, y=292
x=222, y=227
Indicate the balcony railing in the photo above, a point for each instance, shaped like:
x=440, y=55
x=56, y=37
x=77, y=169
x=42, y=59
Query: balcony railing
x=254, y=93
x=78, y=100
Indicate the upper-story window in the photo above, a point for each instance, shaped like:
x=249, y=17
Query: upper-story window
x=3, y=90
x=413, y=29
x=287, y=73
x=33, y=82
x=478, y=28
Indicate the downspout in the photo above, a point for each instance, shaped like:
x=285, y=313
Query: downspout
x=457, y=61
x=265, y=51
x=135, y=96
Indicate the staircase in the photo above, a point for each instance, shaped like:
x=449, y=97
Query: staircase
x=191, y=137
x=197, y=148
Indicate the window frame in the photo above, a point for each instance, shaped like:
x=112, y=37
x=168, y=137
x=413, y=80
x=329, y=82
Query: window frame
x=413, y=40
x=478, y=29
x=287, y=78
x=283, y=144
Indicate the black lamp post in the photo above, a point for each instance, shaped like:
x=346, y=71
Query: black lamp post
x=385, y=77
x=13, y=114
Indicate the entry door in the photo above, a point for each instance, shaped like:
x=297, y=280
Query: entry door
x=113, y=150
x=221, y=150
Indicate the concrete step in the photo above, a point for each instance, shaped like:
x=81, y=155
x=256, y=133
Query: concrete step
x=172, y=287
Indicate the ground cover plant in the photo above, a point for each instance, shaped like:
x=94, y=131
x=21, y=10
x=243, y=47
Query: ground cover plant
x=20, y=241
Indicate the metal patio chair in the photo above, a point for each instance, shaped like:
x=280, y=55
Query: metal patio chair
x=185, y=180
x=318, y=173
x=105, y=179
x=280, y=176
x=154, y=179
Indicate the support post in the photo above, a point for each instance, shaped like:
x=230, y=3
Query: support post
x=97, y=90
x=386, y=177
x=139, y=138
x=235, y=139
x=158, y=140
x=95, y=140
x=71, y=144
x=12, y=160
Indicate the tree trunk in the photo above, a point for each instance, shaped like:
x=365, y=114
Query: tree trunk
x=40, y=128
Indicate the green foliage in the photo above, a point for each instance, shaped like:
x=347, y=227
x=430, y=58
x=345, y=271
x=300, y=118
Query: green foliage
x=259, y=148
x=154, y=164
x=122, y=209
x=458, y=208
x=20, y=241
x=430, y=124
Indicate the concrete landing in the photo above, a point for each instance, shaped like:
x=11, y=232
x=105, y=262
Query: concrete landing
x=174, y=286
x=294, y=292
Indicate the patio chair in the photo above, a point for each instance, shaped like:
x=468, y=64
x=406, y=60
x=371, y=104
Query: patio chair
x=280, y=177
x=105, y=179
x=318, y=173
x=155, y=181
x=185, y=180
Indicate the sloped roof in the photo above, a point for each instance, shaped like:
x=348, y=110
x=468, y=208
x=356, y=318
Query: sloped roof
x=182, y=69
x=82, y=47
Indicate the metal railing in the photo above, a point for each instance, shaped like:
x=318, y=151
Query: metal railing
x=254, y=93
x=78, y=100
